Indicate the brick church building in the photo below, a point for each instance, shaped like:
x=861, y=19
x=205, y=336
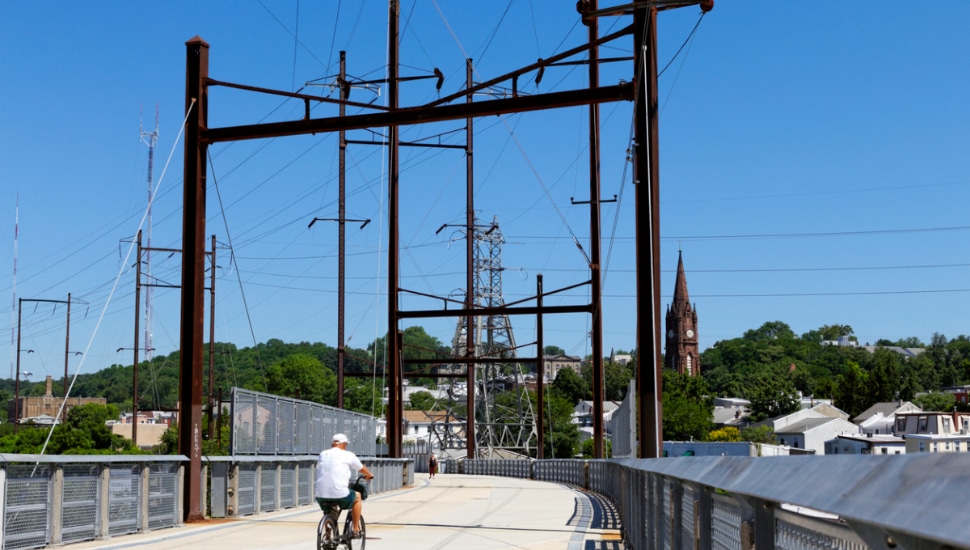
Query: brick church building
x=680, y=351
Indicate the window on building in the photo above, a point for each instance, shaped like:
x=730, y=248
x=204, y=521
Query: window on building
x=921, y=425
x=922, y=446
x=946, y=424
x=884, y=451
x=900, y=425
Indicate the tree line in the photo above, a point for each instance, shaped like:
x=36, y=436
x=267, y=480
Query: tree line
x=769, y=366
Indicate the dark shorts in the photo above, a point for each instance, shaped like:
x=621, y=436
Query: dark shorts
x=344, y=503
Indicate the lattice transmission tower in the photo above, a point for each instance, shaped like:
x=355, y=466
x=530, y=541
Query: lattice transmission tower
x=504, y=418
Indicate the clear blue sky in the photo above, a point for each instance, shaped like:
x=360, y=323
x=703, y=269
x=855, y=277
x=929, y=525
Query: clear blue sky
x=814, y=168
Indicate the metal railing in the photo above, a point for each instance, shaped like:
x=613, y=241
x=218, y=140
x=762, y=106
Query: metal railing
x=54, y=500
x=266, y=424
x=799, y=502
x=57, y=500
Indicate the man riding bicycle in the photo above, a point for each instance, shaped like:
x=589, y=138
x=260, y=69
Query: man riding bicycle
x=333, y=479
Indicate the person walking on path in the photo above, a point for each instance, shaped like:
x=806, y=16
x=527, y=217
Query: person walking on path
x=432, y=466
x=333, y=479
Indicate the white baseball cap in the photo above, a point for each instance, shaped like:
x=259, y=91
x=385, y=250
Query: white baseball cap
x=339, y=438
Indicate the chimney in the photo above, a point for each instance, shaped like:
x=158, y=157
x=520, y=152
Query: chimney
x=50, y=385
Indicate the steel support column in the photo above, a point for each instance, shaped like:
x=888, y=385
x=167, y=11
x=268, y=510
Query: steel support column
x=341, y=235
x=469, y=269
x=596, y=322
x=395, y=392
x=193, y=274
x=647, y=185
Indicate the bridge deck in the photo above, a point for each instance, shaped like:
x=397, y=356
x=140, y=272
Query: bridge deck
x=450, y=511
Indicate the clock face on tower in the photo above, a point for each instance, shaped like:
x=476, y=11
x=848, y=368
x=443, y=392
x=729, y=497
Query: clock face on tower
x=690, y=333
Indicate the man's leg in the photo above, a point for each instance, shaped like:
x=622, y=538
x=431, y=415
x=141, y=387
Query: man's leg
x=355, y=512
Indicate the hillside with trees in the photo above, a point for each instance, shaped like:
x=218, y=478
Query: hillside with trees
x=769, y=366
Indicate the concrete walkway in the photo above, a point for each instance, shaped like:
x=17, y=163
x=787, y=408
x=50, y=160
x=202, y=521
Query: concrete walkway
x=449, y=511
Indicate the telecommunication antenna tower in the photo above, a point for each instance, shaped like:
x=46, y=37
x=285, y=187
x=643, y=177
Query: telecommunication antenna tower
x=510, y=426
x=150, y=139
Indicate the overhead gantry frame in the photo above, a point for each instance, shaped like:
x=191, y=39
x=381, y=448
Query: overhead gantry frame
x=642, y=89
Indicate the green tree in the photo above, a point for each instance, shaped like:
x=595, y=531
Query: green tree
x=936, y=401
x=687, y=407
x=772, y=330
x=302, y=376
x=852, y=389
x=588, y=451
x=364, y=396
x=570, y=385
x=423, y=401
x=553, y=350
x=884, y=378
x=561, y=439
x=772, y=394
x=758, y=434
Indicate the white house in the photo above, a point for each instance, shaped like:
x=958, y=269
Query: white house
x=809, y=429
x=881, y=417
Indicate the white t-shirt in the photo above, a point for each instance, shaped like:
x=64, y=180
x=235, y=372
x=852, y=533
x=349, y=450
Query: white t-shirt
x=333, y=473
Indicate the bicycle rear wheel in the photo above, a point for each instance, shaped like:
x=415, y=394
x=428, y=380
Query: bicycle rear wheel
x=352, y=543
x=327, y=533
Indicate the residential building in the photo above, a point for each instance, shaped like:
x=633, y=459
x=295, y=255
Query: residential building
x=731, y=411
x=932, y=422
x=881, y=417
x=865, y=444
x=807, y=430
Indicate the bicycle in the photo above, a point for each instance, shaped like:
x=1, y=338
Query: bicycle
x=330, y=538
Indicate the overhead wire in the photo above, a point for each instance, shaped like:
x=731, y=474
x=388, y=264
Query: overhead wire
x=242, y=290
x=117, y=280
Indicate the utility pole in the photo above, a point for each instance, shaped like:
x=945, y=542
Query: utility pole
x=212, y=335
x=67, y=340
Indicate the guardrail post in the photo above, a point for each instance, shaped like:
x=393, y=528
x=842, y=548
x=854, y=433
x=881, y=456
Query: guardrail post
x=703, y=512
x=764, y=525
x=676, y=507
x=179, y=494
x=104, y=487
x=143, y=501
x=204, y=490
x=279, y=486
x=258, y=489
x=57, y=504
x=233, y=490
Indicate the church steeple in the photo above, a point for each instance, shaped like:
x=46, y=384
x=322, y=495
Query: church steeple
x=682, y=351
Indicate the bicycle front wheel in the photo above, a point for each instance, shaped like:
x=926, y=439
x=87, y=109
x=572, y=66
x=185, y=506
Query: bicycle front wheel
x=327, y=533
x=355, y=543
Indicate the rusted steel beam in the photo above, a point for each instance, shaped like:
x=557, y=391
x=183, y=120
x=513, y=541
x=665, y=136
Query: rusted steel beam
x=422, y=115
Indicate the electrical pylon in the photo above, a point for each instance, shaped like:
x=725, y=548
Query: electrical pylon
x=504, y=416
